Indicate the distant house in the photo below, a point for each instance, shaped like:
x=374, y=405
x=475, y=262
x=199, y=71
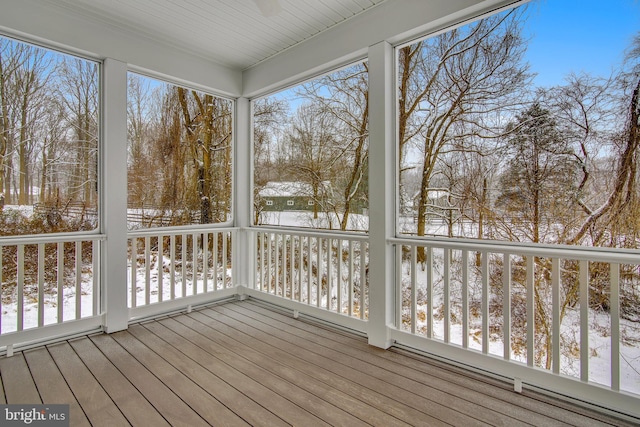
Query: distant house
x=293, y=196
x=438, y=203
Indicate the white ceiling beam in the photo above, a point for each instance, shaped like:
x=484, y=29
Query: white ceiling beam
x=39, y=22
x=394, y=21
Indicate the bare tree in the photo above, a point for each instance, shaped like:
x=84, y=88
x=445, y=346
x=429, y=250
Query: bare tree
x=344, y=95
x=268, y=115
x=449, y=87
x=11, y=59
x=29, y=83
x=53, y=137
x=140, y=132
x=314, y=152
x=623, y=195
x=78, y=92
x=207, y=122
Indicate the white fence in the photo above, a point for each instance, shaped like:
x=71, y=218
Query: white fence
x=327, y=271
x=559, y=318
x=572, y=313
x=48, y=287
x=177, y=268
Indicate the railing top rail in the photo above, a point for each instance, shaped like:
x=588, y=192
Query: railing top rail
x=50, y=238
x=161, y=231
x=333, y=234
x=622, y=256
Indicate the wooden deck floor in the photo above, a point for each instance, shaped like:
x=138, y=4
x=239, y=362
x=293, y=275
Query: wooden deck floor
x=242, y=364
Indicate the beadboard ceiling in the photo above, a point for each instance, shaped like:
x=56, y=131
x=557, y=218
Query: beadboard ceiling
x=235, y=33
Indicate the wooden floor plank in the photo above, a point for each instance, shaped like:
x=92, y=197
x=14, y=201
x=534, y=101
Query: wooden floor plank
x=412, y=393
x=172, y=408
x=134, y=406
x=210, y=409
x=365, y=404
x=185, y=361
x=291, y=391
x=247, y=385
x=287, y=367
x=18, y=383
x=360, y=350
x=52, y=386
x=525, y=406
x=95, y=402
x=361, y=377
x=3, y=397
x=496, y=395
x=527, y=403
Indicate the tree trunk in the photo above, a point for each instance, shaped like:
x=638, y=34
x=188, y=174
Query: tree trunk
x=356, y=170
x=481, y=209
x=623, y=190
x=4, y=126
x=22, y=146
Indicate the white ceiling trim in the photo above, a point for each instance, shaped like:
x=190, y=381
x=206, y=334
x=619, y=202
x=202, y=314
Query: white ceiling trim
x=233, y=33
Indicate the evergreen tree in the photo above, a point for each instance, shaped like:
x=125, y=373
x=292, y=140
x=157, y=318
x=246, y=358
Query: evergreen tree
x=535, y=187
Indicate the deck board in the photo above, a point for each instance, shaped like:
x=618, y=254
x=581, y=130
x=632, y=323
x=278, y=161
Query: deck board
x=285, y=367
x=190, y=392
x=244, y=383
x=243, y=363
x=461, y=384
x=3, y=400
x=169, y=404
x=15, y=375
x=528, y=407
x=314, y=366
x=291, y=392
x=88, y=392
x=407, y=390
x=52, y=386
x=185, y=358
x=133, y=405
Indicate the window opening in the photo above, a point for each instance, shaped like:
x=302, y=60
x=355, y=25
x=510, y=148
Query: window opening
x=179, y=155
x=49, y=130
x=311, y=142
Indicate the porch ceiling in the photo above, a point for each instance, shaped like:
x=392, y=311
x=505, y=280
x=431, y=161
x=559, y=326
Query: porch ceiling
x=234, y=33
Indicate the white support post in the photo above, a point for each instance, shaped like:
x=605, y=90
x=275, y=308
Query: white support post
x=382, y=155
x=243, y=196
x=114, y=196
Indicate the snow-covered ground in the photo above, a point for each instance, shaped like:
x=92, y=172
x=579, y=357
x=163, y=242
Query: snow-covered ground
x=357, y=222
x=599, y=346
x=9, y=313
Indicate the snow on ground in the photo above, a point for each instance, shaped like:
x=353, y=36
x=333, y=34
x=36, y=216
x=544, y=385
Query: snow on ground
x=162, y=282
x=24, y=210
x=599, y=346
x=9, y=315
x=357, y=222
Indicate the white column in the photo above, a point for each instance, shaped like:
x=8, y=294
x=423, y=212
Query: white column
x=114, y=196
x=382, y=155
x=243, y=266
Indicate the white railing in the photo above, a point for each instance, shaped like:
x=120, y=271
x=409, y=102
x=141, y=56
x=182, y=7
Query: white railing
x=48, y=285
x=571, y=312
x=178, y=268
x=314, y=269
x=561, y=318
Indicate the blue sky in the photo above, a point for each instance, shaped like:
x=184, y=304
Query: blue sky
x=580, y=36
